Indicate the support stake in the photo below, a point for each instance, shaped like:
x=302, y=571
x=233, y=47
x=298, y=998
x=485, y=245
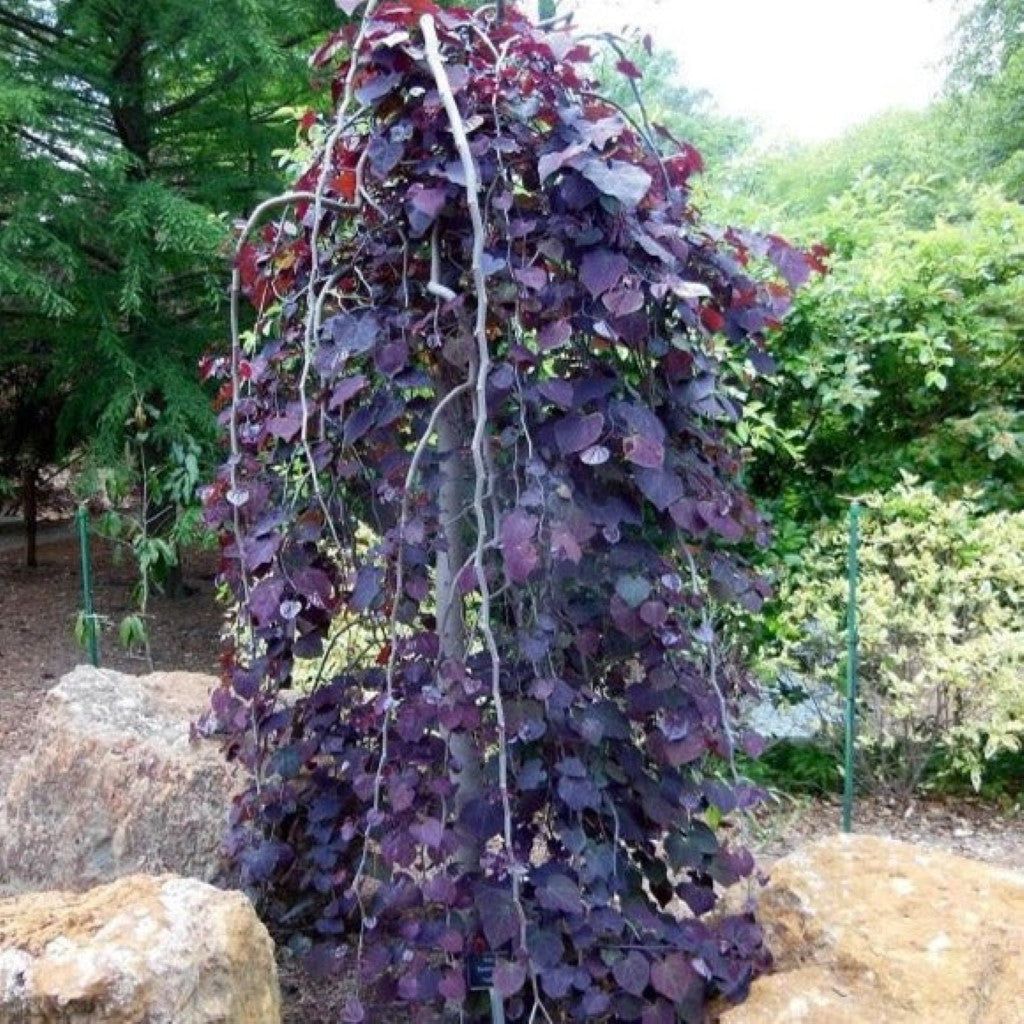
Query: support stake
x=851, y=669
x=92, y=641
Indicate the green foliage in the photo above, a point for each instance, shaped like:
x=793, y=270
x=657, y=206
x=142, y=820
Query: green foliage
x=794, y=185
x=131, y=131
x=987, y=80
x=796, y=768
x=941, y=639
x=908, y=355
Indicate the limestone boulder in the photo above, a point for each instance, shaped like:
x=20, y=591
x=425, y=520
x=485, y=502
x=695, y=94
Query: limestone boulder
x=114, y=785
x=141, y=950
x=866, y=930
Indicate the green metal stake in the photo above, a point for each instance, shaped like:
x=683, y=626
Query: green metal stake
x=82, y=520
x=851, y=669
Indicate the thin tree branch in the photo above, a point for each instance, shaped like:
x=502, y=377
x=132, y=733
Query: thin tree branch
x=480, y=372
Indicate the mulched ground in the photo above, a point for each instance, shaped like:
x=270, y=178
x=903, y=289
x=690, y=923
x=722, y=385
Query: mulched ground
x=37, y=615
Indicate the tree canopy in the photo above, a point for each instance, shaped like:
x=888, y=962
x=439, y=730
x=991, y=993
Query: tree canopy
x=132, y=133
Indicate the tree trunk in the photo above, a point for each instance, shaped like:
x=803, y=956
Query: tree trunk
x=453, y=499
x=30, y=510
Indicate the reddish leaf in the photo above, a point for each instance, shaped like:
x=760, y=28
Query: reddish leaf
x=345, y=184
x=711, y=318
x=644, y=451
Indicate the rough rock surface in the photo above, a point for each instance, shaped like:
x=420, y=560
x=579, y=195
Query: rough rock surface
x=112, y=785
x=867, y=930
x=141, y=950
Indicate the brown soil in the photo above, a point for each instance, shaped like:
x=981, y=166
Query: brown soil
x=37, y=615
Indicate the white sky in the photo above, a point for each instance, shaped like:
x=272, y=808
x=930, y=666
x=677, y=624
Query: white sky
x=804, y=69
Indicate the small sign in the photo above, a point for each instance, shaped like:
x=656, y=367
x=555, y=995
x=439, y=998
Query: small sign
x=480, y=971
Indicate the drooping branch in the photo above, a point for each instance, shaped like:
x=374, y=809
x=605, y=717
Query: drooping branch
x=480, y=372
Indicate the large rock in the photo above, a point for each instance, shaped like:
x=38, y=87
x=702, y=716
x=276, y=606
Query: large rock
x=141, y=950
x=113, y=785
x=867, y=930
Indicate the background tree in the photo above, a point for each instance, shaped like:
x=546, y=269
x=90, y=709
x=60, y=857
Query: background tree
x=987, y=79
x=131, y=132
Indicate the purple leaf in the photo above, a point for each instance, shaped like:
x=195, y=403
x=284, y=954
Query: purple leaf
x=674, y=977
x=452, y=986
x=499, y=917
x=564, y=543
x=661, y=487
x=351, y=333
x=534, y=278
x=429, y=832
x=384, y=155
x=377, y=87
x=595, y=1002
x=508, y=978
x=313, y=584
x=621, y=302
x=574, y=433
x=517, y=547
x=601, y=270
x=368, y=580
x=558, y=392
x=561, y=894
x=285, y=426
x=392, y=357
x=550, y=163
x=265, y=601
x=353, y=1012
x=625, y=181
x=644, y=451
x=347, y=387
x=558, y=981
x=422, y=206
x=793, y=264
x=554, y=335
x=632, y=973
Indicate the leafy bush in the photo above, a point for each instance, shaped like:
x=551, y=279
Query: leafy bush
x=525, y=390
x=797, y=768
x=907, y=355
x=941, y=607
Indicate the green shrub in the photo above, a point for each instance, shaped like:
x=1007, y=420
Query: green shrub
x=941, y=632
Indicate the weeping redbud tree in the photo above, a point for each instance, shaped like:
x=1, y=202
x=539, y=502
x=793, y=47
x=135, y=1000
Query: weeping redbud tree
x=482, y=491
